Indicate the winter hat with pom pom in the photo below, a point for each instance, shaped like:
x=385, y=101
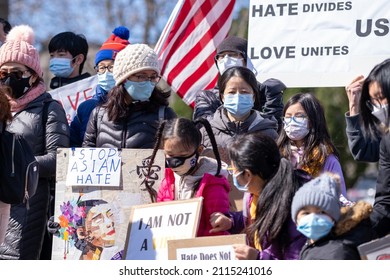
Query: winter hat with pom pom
x=18, y=47
x=132, y=59
x=115, y=43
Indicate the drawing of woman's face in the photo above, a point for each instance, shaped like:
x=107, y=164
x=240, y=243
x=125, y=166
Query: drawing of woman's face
x=99, y=226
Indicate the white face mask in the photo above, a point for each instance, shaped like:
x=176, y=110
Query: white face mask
x=228, y=62
x=296, y=131
x=381, y=113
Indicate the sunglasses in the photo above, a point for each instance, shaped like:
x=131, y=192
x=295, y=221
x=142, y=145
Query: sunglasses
x=173, y=162
x=16, y=74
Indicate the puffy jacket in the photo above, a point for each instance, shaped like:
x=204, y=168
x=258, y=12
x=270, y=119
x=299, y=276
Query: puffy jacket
x=352, y=230
x=224, y=129
x=214, y=191
x=26, y=227
x=138, y=132
x=271, y=101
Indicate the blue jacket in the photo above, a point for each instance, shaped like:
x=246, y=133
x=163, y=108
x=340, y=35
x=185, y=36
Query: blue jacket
x=79, y=123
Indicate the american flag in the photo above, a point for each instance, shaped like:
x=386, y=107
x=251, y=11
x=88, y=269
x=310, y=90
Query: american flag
x=187, y=45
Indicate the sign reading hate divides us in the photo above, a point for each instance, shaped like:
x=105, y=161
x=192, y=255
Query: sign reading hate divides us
x=313, y=43
x=94, y=167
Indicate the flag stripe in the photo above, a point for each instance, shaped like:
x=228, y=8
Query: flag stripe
x=208, y=36
x=186, y=48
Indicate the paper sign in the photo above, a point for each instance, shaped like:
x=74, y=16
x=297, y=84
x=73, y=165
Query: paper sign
x=94, y=167
x=378, y=249
x=205, y=248
x=316, y=43
x=152, y=225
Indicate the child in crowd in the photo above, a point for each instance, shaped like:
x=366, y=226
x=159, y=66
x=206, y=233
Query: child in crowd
x=104, y=65
x=269, y=183
x=305, y=139
x=190, y=175
x=333, y=232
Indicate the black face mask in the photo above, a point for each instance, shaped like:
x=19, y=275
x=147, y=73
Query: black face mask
x=19, y=87
x=173, y=162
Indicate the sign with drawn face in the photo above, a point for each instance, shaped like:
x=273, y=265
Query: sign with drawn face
x=94, y=219
x=151, y=226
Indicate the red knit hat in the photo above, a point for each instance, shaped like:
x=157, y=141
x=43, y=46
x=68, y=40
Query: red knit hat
x=118, y=40
x=18, y=47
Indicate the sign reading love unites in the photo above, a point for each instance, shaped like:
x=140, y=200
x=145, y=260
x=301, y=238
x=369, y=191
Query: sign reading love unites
x=314, y=43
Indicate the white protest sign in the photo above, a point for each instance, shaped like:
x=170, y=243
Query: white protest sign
x=205, y=248
x=94, y=167
x=313, y=43
x=70, y=96
x=152, y=225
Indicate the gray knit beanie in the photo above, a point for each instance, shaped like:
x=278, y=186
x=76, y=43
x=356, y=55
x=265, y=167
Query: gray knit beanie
x=322, y=192
x=132, y=59
x=235, y=44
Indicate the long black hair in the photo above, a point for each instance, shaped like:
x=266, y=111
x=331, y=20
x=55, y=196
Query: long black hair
x=260, y=154
x=380, y=74
x=120, y=105
x=318, y=143
x=189, y=134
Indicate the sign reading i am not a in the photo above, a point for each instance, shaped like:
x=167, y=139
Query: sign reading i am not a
x=152, y=225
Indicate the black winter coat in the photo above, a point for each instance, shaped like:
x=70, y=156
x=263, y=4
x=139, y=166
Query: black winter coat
x=138, y=132
x=352, y=230
x=26, y=227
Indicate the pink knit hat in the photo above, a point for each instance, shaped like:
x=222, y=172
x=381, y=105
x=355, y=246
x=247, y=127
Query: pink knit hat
x=18, y=47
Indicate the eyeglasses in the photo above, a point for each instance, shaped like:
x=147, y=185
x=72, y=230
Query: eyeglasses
x=377, y=104
x=101, y=69
x=230, y=170
x=230, y=54
x=144, y=78
x=297, y=119
x=16, y=74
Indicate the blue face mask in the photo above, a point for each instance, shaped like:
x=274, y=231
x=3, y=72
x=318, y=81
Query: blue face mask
x=237, y=185
x=315, y=226
x=238, y=104
x=140, y=91
x=61, y=67
x=106, y=81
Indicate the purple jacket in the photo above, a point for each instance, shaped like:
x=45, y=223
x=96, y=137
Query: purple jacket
x=215, y=193
x=270, y=251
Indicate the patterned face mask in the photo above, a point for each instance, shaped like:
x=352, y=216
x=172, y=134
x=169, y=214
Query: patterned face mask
x=296, y=131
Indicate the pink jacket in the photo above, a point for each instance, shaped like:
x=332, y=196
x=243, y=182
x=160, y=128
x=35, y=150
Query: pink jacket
x=215, y=193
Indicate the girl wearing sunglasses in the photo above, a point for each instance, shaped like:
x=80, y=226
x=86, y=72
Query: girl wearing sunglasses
x=189, y=175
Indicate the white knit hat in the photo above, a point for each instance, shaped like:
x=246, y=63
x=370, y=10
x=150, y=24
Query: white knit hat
x=132, y=59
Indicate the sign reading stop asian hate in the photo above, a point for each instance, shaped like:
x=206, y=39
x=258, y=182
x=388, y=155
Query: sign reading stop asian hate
x=94, y=167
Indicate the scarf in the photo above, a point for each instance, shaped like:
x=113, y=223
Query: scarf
x=19, y=104
x=252, y=213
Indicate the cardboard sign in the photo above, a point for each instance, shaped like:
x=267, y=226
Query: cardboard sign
x=378, y=249
x=94, y=219
x=94, y=167
x=205, y=248
x=316, y=43
x=152, y=225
